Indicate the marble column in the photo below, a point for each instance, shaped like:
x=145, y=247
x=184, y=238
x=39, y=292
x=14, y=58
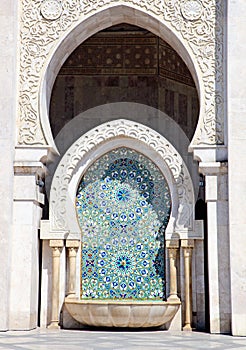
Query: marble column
x=72, y=247
x=56, y=246
x=173, y=248
x=187, y=246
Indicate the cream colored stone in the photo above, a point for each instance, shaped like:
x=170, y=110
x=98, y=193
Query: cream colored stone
x=72, y=247
x=172, y=253
x=56, y=243
x=187, y=246
x=122, y=313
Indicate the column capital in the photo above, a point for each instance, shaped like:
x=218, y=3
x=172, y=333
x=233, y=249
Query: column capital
x=187, y=243
x=172, y=253
x=72, y=243
x=172, y=243
x=72, y=251
x=56, y=243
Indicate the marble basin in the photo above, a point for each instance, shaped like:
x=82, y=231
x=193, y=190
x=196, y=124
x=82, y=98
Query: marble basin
x=115, y=313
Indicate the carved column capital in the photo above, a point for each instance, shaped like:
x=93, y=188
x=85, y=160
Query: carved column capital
x=172, y=243
x=56, y=252
x=72, y=252
x=56, y=243
x=172, y=253
x=72, y=247
x=187, y=243
x=187, y=252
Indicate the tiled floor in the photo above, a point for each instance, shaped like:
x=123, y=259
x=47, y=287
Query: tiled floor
x=115, y=340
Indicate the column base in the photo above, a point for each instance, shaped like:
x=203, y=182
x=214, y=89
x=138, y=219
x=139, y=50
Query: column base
x=187, y=328
x=53, y=325
x=71, y=296
x=173, y=298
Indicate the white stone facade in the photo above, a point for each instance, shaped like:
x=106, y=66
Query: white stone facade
x=36, y=39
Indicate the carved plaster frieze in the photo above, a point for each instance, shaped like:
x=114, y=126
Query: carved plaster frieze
x=60, y=197
x=198, y=24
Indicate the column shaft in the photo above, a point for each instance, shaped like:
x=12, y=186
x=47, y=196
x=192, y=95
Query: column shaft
x=187, y=245
x=173, y=247
x=72, y=247
x=56, y=253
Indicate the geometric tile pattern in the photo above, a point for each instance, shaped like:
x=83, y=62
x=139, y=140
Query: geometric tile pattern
x=123, y=205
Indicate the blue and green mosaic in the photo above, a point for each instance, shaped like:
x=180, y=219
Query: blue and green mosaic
x=123, y=205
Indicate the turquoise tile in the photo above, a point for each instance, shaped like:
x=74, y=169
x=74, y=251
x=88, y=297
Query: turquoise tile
x=123, y=205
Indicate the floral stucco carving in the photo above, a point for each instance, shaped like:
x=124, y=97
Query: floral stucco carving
x=192, y=9
x=200, y=30
x=68, y=167
x=51, y=9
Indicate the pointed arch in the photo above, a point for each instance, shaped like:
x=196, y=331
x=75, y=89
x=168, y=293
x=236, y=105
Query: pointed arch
x=90, y=25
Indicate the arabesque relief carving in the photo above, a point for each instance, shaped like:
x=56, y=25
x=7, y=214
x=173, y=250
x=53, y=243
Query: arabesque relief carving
x=198, y=24
x=103, y=133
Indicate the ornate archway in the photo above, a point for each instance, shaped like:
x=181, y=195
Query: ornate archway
x=193, y=28
x=94, y=145
x=181, y=24
x=65, y=183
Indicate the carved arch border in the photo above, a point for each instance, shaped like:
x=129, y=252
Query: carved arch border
x=79, y=156
x=45, y=44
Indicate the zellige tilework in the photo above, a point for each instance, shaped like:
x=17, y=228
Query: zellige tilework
x=123, y=205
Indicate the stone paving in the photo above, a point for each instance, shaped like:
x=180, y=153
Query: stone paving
x=117, y=340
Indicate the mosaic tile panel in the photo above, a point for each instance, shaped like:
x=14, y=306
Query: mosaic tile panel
x=123, y=205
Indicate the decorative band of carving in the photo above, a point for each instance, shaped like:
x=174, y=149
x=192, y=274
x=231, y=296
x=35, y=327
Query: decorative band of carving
x=67, y=167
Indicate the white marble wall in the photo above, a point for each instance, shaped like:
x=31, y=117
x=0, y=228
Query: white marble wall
x=237, y=161
x=22, y=238
x=24, y=277
x=8, y=39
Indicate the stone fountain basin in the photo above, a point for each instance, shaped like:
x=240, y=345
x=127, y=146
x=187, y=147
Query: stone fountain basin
x=115, y=313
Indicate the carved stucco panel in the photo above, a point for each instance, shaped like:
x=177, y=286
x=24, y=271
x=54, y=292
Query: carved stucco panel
x=68, y=166
x=201, y=31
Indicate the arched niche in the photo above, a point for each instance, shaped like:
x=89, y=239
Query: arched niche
x=63, y=224
x=92, y=24
x=123, y=205
x=100, y=140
